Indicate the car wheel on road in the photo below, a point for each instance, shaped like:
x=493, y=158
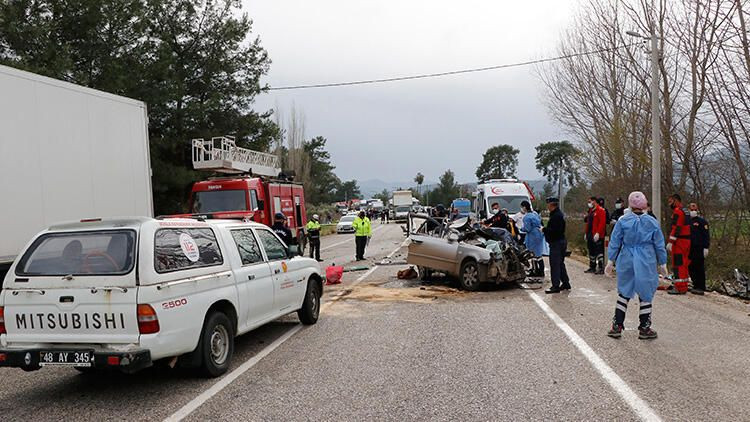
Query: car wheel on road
x=469, y=277
x=217, y=343
x=310, y=309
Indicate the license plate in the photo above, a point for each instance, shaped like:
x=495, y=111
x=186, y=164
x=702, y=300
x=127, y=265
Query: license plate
x=72, y=358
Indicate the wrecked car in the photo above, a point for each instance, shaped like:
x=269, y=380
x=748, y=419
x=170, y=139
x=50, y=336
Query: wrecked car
x=468, y=252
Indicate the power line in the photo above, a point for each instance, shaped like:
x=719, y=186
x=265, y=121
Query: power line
x=452, y=72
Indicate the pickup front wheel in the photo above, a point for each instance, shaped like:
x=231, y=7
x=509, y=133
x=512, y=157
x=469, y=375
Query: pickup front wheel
x=217, y=344
x=310, y=309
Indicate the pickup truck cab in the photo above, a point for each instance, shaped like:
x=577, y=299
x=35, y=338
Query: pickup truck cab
x=125, y=293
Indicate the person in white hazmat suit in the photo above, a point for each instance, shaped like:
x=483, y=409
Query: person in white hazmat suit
x=636, y=250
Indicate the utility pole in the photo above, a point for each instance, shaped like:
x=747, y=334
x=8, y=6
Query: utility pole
x=559, y=185
x=655, y=121
x=655, y=128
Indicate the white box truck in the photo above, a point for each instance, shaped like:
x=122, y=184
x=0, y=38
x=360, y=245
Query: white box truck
x=402, y=202
x=67, y=153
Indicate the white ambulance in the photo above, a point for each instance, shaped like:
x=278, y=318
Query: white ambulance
x=509, y=193
x=125, y=293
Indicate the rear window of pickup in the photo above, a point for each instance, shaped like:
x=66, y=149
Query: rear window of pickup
x=105, y=252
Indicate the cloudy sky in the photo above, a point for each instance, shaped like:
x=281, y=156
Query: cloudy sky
x=391, y=131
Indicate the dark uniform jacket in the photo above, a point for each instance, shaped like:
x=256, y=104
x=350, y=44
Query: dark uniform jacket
x=700, y=238
x=619, y=212
x=555, y=229
x=284, y=233
x=498, y=220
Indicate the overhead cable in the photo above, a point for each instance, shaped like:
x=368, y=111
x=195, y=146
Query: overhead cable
x=452, y=72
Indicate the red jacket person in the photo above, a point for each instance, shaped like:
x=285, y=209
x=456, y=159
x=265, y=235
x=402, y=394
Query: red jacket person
x=678, y=245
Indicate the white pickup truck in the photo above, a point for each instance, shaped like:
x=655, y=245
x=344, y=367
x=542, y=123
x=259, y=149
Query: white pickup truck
x=125, y=293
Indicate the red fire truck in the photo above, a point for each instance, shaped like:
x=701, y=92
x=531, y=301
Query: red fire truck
x=253, y=188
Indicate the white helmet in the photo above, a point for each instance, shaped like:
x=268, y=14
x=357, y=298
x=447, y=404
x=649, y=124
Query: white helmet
x=315, y=216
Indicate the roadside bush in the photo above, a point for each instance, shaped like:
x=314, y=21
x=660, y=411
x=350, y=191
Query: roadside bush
x=723, y=258
x=322, y=210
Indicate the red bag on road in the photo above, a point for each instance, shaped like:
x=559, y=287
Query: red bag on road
x=334, y=274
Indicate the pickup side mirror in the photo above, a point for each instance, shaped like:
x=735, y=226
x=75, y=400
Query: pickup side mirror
x=482, y=214
x=261, y=205
x=452, y=237
x=292, y=251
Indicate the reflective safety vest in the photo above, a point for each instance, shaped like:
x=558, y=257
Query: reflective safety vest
x=362, y=226
x=313, y=229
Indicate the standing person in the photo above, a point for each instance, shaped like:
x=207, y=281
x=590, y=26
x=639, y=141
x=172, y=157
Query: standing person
x=619, y=211
x=596, y=223
x=679, y=246
x=534, y=239
x=558, y=246
x=313, y=234
x=382, y=216
x=700, y=241
x=636, y=248
x=280, y=228
x=518, y=221
x=362, y=234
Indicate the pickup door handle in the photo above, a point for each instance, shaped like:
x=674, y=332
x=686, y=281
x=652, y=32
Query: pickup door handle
x=251, y=277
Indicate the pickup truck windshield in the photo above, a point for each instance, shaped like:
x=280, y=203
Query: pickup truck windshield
x=402, y=209
x=511, y=203
x=219, y=200
x=108, y=252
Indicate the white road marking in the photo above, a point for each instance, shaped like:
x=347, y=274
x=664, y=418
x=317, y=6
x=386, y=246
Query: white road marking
x=638, y=405
x=347, y=240
x=195, y=403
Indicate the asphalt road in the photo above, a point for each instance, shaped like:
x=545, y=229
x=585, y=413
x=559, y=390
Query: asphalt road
x=391, y=350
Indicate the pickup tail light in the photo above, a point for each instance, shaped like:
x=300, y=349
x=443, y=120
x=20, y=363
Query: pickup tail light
x=148, y=322
x=2, y=320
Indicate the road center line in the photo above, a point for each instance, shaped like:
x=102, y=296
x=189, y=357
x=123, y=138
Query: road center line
x=195, y=403
x=638, y=405
x=347, y=240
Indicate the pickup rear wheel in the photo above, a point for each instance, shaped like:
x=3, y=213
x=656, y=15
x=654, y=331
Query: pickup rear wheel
x=310, y=309
x=217, y=344
x=469, y=277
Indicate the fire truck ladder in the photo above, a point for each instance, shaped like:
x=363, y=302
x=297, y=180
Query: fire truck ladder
x=222, y=155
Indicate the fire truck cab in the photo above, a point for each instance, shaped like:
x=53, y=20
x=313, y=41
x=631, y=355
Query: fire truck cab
x=252, y=188
x=256, y=198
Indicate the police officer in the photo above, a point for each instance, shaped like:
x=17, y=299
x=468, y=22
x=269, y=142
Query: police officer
x=554, y=233
x=700, y=240
x=362, y=234
x=313, y=234
x=619, y=212
x=279, y=226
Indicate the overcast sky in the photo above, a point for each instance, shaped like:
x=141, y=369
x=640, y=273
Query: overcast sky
x=393, y=130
